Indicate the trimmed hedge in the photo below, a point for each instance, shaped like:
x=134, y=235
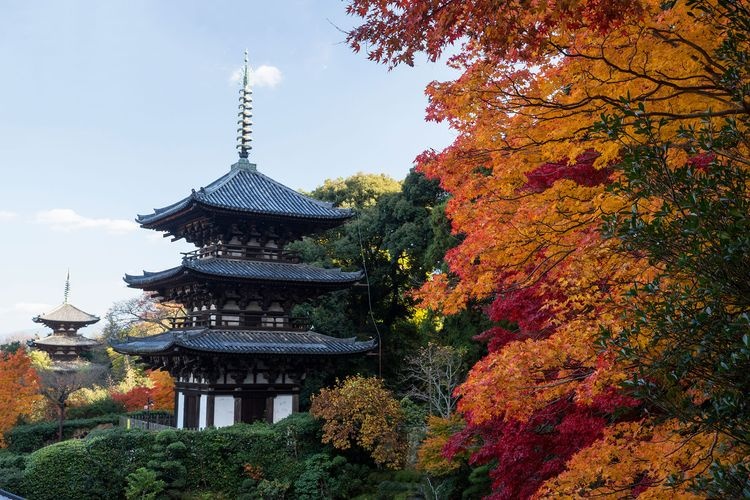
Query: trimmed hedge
x=12, y=470
x=285, y=456
x=31, y=437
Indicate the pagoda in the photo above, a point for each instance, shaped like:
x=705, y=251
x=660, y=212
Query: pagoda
x=237, y=354
x=65, y=343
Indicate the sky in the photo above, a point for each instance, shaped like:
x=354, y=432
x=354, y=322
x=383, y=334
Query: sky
x=109, y=109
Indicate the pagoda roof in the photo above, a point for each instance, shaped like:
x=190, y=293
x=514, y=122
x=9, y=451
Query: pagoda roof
x=244, y=189
x=66, y=341
x=248, y=269
x=244, y=342
x=66, y=313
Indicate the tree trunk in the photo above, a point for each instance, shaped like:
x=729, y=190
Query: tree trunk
x=60, y=422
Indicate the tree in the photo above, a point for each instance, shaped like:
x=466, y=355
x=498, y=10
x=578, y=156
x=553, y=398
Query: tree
x=59, y=381
x=531, y=179
x=400, y=239
x=18, y=389
x=10, y=347
x=162, y=390
x=138, y=317
x=361, y=411
x=434, y=372
x=158, y=392
x=357, y=191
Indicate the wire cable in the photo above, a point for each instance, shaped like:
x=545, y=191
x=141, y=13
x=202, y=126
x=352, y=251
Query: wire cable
x=369, y=297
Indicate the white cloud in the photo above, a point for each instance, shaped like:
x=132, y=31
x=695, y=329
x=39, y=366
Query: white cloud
x=7, y=215
x=65, y=219
x=262, y=76
x=31, y=307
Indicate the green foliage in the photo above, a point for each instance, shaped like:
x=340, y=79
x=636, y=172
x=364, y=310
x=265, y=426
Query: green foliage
x=59, y=472
x=400, y=236
x=98, y=408
x=695, y=313
x=10, y=347
x=324, y=476
x=167, y=462
x=143, y=485
x=255, y=461
x=725, y=481
x=358, y=191
x=27, y=438
x=480, y=484
x=11, y=471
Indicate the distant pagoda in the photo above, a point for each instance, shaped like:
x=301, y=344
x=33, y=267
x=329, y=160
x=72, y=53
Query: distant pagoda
x=65, y=344
x=237, y=354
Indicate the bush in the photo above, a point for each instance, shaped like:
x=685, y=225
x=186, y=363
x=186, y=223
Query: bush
x=283, y=460
x=59, y=472
x=11, y=471
x=28, y=438
x=106, y=406
x=91, y=468
x=143, y=485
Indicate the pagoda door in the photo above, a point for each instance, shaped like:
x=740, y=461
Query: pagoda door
x=192, y=408
x=252, y=408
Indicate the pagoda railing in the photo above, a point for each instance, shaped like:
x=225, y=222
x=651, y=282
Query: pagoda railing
x=239, y=320
x=244, y=252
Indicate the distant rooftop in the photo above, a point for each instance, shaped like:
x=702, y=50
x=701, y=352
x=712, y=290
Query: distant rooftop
x=66, y=313
x=66, y=341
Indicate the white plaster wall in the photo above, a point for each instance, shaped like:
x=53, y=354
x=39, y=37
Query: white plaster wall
x=180, y=409
x=282, y=406
x=223, y=411
x=202, y=416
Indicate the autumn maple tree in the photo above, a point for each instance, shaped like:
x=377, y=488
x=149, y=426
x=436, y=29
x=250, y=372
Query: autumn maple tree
x=598, y=144
x=19, y=386
x=158, y=393
x=361, y=412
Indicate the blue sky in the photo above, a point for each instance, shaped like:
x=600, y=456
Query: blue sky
x=109, y=109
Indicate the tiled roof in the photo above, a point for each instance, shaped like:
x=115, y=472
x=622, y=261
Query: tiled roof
x=66, y=340
x=245, y=342
x=249, y=269
x=65, y=313
x=245, y=189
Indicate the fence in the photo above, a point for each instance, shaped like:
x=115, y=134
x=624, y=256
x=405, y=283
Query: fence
x=150, y=423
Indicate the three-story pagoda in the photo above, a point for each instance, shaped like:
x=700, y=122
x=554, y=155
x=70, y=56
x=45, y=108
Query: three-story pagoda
x=237, y=354
x=65, y=343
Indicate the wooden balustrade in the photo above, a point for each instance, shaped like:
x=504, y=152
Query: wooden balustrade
x=244, y=252
x=231, y=319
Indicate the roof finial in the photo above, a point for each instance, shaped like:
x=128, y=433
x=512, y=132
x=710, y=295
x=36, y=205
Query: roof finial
x=67, y=287
x=245, y=124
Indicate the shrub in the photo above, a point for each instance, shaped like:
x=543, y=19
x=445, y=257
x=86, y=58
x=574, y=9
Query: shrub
x=82, y=469
x=58, y=472
x=28, y=438
x=105, y=406
x=11, y=471
x=283, y=460
x=143, y=485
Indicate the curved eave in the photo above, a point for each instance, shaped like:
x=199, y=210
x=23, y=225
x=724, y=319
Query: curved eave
x=244, y=190
x=52, y=322
x=253, y=272
x=66, y=314
x=153, y=345
x=190, y=207
x=244, y=342
x=65, y=341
